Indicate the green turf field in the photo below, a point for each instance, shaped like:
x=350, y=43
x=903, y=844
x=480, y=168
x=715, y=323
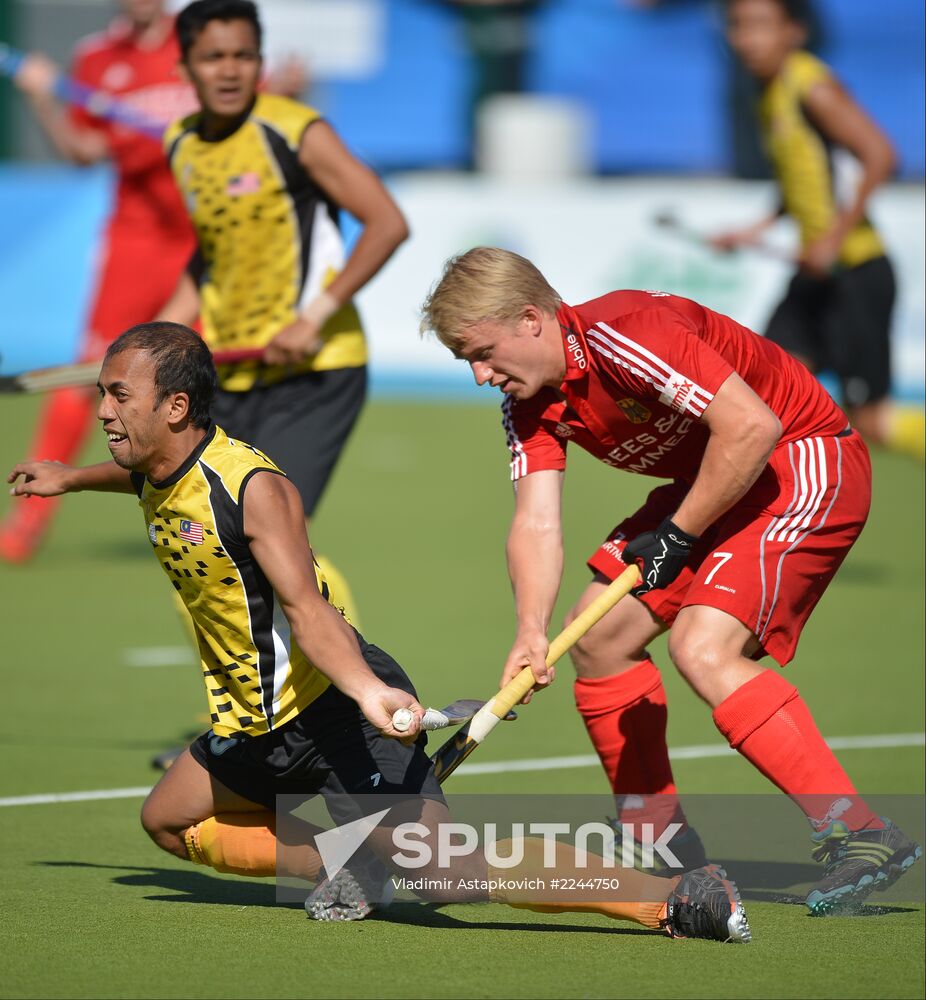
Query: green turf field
x=416, y=518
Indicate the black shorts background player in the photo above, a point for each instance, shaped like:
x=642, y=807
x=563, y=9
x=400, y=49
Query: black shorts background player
x=836, y=314
x=265, y=180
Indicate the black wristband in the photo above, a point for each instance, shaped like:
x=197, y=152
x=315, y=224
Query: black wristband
x=675, y=534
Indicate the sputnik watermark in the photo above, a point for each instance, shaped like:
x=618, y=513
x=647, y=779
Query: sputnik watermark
x=639, y=845
x=442, y=845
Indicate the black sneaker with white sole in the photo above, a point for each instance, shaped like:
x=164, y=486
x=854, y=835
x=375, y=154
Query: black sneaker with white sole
x=706, y=904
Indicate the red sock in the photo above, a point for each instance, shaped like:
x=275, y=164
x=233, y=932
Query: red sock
x=63, y=425
x=768, y=722
x=625, y=715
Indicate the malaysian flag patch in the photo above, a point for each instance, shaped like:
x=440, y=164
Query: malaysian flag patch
x=191, y=531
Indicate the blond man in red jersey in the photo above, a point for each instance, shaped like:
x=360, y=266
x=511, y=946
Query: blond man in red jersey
x=770, y=488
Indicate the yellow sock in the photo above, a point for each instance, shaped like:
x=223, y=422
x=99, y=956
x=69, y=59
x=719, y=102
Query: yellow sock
x=247, y=844
x=341, y=596
x=906, y=431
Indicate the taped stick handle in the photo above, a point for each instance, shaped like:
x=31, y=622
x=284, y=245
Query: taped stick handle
x=432, y=719
x=449, y=756
x=512, y=693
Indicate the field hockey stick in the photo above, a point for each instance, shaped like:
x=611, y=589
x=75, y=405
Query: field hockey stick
x=451, y=754
x=97, y=102
x=87, y=372
x=669, y=222
x=440, y=718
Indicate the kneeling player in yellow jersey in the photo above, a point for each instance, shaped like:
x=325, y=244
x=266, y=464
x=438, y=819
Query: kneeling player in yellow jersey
x=309, y=716
x=264, y=179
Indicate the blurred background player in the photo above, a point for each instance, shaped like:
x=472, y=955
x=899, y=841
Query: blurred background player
x=836, y=313
x=148, y=239
x=265, y=179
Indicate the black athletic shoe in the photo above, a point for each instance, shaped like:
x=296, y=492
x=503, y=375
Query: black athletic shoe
x=706, y=904
x=857, y=862
x=686, y=846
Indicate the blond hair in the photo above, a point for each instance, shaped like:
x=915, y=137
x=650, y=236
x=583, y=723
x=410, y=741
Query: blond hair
x=485, y=283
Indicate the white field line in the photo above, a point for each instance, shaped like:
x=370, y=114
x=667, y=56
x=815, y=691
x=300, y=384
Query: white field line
x=158, y=656
x=103, y=793
x=508, y=766
x=687, y=753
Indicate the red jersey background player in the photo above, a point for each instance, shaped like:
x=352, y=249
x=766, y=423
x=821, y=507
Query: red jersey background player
x=148, y=238
x=770, y=488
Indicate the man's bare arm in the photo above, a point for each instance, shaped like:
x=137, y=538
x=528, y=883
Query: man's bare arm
x=743, y=434
x=36, y=79
x=535, y=565
x=744, y=235
x=51, y=479
x=274, y=523
x=835, y=113
x=357, y=189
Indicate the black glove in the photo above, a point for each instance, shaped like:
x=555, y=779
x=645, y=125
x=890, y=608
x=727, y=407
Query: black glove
x=660, y=554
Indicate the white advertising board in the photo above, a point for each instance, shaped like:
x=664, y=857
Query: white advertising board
x=592, y=236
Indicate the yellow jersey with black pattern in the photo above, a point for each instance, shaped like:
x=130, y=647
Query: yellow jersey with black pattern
x=815, y=176
x=256, y=678
x=269, y=238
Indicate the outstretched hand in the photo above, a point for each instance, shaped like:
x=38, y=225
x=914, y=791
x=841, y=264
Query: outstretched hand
x=39, y=479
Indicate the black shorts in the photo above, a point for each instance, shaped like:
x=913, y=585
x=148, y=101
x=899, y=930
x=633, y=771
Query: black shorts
x=301, y=423
x=842, y=323
x=329, y=749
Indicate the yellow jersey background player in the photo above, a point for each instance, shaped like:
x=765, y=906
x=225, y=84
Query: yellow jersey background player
x=264, y=179
x=836, y=313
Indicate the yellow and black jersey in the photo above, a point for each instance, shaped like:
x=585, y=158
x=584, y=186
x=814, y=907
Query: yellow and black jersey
x=256, y=679
x=810, y=170
x=268, y=236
